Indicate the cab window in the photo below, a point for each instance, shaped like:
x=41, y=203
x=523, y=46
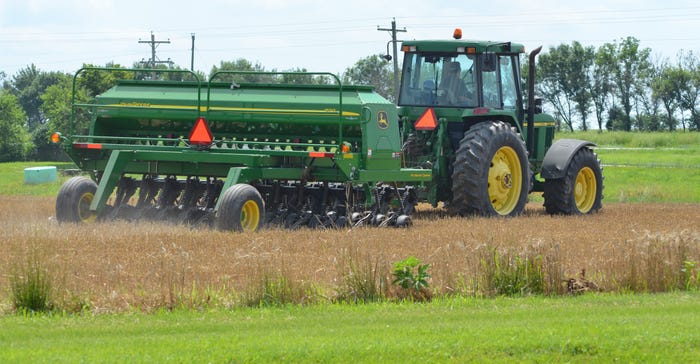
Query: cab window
x=447, y=80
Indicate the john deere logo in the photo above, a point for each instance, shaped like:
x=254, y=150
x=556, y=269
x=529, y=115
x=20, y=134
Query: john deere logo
x=382, y=120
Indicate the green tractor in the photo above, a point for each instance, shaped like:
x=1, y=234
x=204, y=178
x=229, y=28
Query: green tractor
x=242, y=155
x=463, y=114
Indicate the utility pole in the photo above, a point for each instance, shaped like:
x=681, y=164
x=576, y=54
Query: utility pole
x=154, y=60
x=192, y=57
x=393, y=31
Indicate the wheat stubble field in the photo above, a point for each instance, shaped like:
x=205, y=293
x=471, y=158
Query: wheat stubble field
x=119, y=266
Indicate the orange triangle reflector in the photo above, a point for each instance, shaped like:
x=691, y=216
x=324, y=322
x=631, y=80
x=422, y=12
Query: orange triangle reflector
x=201, y=134
x=427, y=121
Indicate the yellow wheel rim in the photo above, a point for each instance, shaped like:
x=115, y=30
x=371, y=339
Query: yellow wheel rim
x=585, y=189
x=505, y=180
x=250, y=216
x=84, y=213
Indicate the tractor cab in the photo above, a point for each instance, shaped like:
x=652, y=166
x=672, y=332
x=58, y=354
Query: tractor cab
x=461, y=74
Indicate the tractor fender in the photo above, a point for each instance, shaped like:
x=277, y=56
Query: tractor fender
x=559, y=155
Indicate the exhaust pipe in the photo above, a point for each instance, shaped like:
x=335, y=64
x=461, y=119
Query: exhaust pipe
x=531, y=101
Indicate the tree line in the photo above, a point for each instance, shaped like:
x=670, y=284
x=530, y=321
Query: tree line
x=620, y=86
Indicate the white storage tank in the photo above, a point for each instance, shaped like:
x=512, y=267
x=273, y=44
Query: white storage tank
x=36, y=175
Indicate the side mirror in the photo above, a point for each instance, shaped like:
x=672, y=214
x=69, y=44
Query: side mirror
x=489, y=62
x=538, y=105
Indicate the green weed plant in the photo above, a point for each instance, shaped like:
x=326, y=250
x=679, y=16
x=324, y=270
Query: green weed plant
x=412, y=277
x=512, y=274
x=30, y=286
x=277, y=289
x=362, y=280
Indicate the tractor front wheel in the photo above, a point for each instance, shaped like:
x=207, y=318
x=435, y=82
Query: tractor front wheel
x=241, y=209
x=74, y=199
x=580, y=191
x=491, y=174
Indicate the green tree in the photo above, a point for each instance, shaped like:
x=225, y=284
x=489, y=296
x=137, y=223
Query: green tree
x=15, y=141
x=581, y=64
x=373, y=71
x=95, y=82
x=630, y=69
x=57, y=107
x=647, y=103
x=182, y=74
x=560, y=74
x=689, y=79
x=305, y=79
x=27, y=86
x=615, y=119
x=666, y=87
x=297, y=75
x=244, y=65
x=601, y=84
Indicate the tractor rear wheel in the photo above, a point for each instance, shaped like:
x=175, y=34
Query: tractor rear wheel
x=241, y=209
x=580, y=191
x=491, y=174
x=74, y=199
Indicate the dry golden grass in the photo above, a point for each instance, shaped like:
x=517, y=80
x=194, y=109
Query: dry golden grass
x=121, y=265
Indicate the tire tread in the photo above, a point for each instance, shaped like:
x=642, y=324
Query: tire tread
x=471, y=168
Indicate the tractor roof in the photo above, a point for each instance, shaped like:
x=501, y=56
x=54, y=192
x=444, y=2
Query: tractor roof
x=452, y=45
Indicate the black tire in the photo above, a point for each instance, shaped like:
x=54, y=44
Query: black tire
x=491, y=174
x=74, y=199
x=580, y=191
x=241, y=209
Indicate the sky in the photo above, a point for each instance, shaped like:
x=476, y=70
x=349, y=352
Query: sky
x=319, y=35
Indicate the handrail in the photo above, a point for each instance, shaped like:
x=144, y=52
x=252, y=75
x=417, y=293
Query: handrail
x=132, y=70
x=201, y=111
x=335, y=77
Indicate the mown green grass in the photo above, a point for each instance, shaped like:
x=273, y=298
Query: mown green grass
x=647, y=167
x=684, y=157
x=12, y=179
x=651, y=184
x=651, y=175
x=636, y=139
x=602, y=328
